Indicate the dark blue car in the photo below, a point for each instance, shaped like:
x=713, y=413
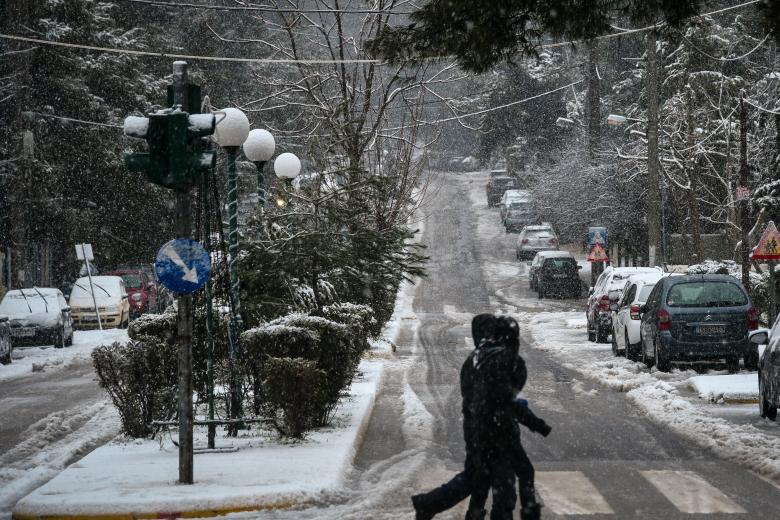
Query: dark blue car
x=698, y=318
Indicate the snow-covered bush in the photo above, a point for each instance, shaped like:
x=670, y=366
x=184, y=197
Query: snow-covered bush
x=160, y=326
x=141, y=380
x=359, y=317
x=294, y=394
x=334, y=348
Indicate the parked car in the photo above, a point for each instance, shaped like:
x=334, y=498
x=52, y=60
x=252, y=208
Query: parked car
x=112, y=303
x=38, y=316
x=768, y=344
x=598, y=312
x=558, y=274
x=533, y=239
x=626, y=316
x=496, y=187
x=6, y=343
x=514, y=199
x=533, y=268
x=141, y=289
x=695, y=318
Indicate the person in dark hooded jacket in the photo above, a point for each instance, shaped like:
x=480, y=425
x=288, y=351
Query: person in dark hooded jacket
x=478, y=473
x=495, y=404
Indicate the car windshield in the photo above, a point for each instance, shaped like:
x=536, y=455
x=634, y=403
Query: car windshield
x=15, y=304
x=132, y=280
x=539, y=234
x=706, y=293
x=559, y=264
x=644, y=293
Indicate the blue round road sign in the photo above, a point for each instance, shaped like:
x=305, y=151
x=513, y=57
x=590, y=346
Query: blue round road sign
x=182, y=266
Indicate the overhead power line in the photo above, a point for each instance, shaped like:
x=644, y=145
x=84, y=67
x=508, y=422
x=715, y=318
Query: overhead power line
x=283, y=61
x=264, y=8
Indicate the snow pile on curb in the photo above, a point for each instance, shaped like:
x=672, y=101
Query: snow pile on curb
x=50, y=358
x=727, y=388
x=657, y=394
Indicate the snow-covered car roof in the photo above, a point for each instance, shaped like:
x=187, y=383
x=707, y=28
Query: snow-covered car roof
x=517, y=194
x=554, y=254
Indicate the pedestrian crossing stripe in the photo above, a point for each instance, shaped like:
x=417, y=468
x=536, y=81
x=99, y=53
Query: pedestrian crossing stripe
x=572, y=493
x=690, y=493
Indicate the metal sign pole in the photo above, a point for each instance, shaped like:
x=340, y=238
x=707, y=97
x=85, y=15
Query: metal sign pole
x=772, y=294
x=92, y=287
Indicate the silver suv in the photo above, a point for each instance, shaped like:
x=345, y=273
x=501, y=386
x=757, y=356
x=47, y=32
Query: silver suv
x=533, y=239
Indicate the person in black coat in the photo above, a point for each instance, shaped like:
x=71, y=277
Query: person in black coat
x=496, y=404
x=482, y=467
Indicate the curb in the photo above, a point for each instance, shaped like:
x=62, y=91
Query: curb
x=155, y=516
x=362, y=430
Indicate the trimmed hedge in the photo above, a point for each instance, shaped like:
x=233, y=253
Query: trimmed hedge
x=141, y=380
x=294, y=394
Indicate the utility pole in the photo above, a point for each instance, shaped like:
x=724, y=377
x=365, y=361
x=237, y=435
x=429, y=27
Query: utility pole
x=744, y=178
x=653, y=198
x=593, y=102
x=184, y=326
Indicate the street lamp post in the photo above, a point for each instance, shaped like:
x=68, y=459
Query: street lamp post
x=259, y=148
x=287, y=167
x=230, y=134
x=656, y=223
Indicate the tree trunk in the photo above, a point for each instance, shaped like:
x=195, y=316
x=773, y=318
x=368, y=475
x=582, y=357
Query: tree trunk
x=653, y=185
x=593, y=102
x=744, y=217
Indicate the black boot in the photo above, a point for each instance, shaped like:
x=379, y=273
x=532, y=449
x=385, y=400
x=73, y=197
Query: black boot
x=419, y=510
x=531, y=509
x=476, y=514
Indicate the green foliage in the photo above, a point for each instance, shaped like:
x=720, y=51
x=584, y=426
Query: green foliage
x=140, y=377
x=482, y=34
x=294, y=397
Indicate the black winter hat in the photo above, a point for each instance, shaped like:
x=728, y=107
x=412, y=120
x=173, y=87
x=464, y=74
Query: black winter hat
x=483, y=326
x=507, y=328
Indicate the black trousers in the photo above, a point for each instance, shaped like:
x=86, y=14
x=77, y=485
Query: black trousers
x=522, y=467
x=481, y=472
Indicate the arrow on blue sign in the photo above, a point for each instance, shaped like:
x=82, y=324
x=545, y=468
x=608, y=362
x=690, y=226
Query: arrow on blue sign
x=182, y=266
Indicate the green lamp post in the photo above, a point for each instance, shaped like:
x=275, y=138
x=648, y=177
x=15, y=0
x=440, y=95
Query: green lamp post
x=231, y=132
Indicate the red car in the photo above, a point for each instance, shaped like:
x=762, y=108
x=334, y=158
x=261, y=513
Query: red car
x=141, y=289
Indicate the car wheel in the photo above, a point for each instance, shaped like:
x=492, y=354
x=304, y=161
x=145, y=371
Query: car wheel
x=631, y=350
x=59, y=339
x=764, y=406
x=69, y=341
x=591, y=334
x=601, y=337
x=647, y=360
x=751, y=359
x=6, y=360
x=732, y=364
x=661, y=361
x=615, y=350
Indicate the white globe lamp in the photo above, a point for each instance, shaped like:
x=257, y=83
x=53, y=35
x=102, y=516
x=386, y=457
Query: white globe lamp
x=287, y=166
x=259, y=146
x=233, y=129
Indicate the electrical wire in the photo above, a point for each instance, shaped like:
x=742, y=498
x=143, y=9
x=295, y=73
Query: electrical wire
x=182, y=56
x=74, y=120
x=737, y=58
x=768, y=111
x=266, y=9
x=644, y=29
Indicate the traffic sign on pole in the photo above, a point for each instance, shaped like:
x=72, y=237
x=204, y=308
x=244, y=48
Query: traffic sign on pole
x=598, y=254
x=598, y=235
x=768, y=247
x=182, y=266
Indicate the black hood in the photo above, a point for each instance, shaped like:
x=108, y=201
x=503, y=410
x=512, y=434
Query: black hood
x=483, y=326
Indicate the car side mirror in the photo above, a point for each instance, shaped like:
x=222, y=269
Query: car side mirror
x=759, y=337
x=644, y=308
x=65, y=309
x=3, y=319
x=579, y=267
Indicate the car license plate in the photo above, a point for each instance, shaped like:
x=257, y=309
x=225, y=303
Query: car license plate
x=89, y=319
x=711, y=330
x=23, y=332
x=559, y=276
